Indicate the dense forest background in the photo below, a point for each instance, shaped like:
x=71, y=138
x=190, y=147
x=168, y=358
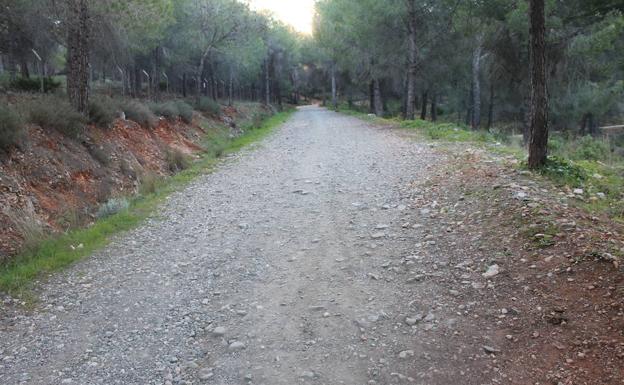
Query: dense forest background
x=470, y=59
x=460, y=61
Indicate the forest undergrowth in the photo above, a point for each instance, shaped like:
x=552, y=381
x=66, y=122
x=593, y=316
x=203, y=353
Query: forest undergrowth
x=589, y=168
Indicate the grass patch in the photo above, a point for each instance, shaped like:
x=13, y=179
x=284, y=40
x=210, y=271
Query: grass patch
x=448, y=132
x=541, y=234
x=584, y=163
x=258, y=133
x=59, y=252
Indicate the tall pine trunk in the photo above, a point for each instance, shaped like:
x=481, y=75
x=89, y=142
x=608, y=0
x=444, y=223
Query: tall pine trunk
x=476, y=85
x=423, y=107
x=25, y=72
x=198, y=80
x=334, y=90
x=267, y=83
x=538, y=141
x=371, y=97
x=491, y=106
x=378, y=102
x=410, y=104
x=231, y=89
x=214, y=84
x=78, y=54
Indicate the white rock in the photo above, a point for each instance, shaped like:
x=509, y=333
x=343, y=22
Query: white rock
x=411, y=321
x=237, y=345
x=307, y=374
x=492, y=271
x=520, y=195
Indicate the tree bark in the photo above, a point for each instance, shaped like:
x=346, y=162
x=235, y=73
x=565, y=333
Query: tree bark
x=201, y=69
x=423, y=109
x=24, y=68
x=491, y=106
x=434, y=107
x=156, y=73
x=378, y=103
x=334, y=90
x=371, y=97
x=295, y=83
x=231, y=89
x=410, y=105
x=278, y=92
x=214, y=84
x=538, y=144
x=267, y=83
x=78, y=54
x=476, y=82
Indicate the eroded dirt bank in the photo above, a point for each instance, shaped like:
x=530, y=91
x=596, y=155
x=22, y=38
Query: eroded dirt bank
x=337, y=252
x=55, y=182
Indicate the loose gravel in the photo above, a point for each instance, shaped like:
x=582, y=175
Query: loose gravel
x=298, y=261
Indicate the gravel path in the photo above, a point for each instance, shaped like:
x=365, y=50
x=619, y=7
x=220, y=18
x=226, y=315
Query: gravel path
x=298, y=261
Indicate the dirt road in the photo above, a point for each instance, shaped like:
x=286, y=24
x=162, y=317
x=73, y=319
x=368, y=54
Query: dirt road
x=301, y=260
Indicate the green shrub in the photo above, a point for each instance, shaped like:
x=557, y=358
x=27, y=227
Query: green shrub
x=148, y=183
x=177, y=160
x=112, y=207
x=73, y=218
x=185, y=111
x=173, y=110
x=5, y=81
x=564, y=171
x=140, y=113
x=555, y=144
x=589, y=148
x=101, y=154
x=33, y=84
x=394, y=107
x=258, y=118
x=29, y=228
x=53, y=112
x=208, y=106
x=12, y=131
x=103, y=111
x=167, y=110
x=501, y=136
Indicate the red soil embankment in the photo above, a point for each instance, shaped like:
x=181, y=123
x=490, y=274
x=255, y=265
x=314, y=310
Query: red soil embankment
x=55, y=180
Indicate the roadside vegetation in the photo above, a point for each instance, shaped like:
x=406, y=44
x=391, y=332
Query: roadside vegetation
x=46, y=253
x=591, y=166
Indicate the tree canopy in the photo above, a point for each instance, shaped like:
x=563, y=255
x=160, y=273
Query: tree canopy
x=466, y=61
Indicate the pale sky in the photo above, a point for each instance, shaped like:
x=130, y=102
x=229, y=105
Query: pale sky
x=298, y=13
